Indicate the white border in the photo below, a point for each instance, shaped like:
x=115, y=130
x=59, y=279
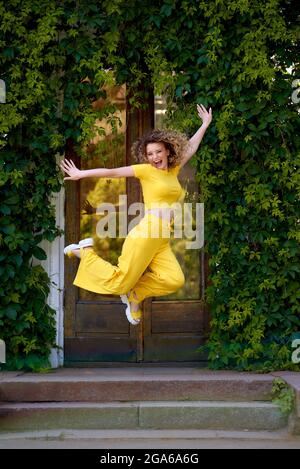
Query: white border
x=54, y=266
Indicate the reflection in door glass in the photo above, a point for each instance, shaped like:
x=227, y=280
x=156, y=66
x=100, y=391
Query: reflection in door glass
x=104, y=151
x=189, y=259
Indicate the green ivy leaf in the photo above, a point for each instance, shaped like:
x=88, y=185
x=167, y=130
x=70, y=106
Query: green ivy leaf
x=8, y=229
x=39, y=253
x=11, y=312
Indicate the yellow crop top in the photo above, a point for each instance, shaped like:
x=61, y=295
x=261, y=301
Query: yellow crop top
x=160, y=187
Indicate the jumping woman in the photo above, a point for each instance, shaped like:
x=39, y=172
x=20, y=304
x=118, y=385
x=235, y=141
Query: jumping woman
x=161, y=155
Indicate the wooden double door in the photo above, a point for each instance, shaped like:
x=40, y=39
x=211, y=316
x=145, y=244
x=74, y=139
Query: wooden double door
x=97, y=332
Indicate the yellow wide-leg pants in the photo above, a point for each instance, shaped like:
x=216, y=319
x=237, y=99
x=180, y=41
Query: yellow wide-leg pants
x=141, y=250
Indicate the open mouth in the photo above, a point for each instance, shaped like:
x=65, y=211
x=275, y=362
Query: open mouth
x=158, y=163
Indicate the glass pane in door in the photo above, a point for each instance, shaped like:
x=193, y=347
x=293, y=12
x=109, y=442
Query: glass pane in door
x=104, y=151
x=189, y=259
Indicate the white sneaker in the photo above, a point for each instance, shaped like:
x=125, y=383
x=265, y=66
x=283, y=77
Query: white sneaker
x=82, y=244
x=124, y=299
x=68, y=249
x=86, y=242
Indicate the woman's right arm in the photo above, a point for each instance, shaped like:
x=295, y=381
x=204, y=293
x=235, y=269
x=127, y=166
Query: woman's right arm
x=74, y=173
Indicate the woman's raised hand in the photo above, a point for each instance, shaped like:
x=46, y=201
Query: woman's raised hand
x=204, y=115
x=69, y=167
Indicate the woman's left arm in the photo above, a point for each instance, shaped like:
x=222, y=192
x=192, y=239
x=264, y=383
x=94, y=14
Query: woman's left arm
x=194, y=142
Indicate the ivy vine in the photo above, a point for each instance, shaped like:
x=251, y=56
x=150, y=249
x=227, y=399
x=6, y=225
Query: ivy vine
x=238, y=57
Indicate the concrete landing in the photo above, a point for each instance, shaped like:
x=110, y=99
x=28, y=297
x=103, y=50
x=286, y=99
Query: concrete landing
x=148, y=439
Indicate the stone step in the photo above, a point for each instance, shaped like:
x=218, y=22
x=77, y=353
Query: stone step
x=213, y=415
x=148, y=438
x=293, y=380
x=127, y=384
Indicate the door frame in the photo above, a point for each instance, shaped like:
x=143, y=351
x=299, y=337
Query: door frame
x=138, y=121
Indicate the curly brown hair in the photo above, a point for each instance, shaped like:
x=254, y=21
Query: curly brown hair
x=174, y=141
